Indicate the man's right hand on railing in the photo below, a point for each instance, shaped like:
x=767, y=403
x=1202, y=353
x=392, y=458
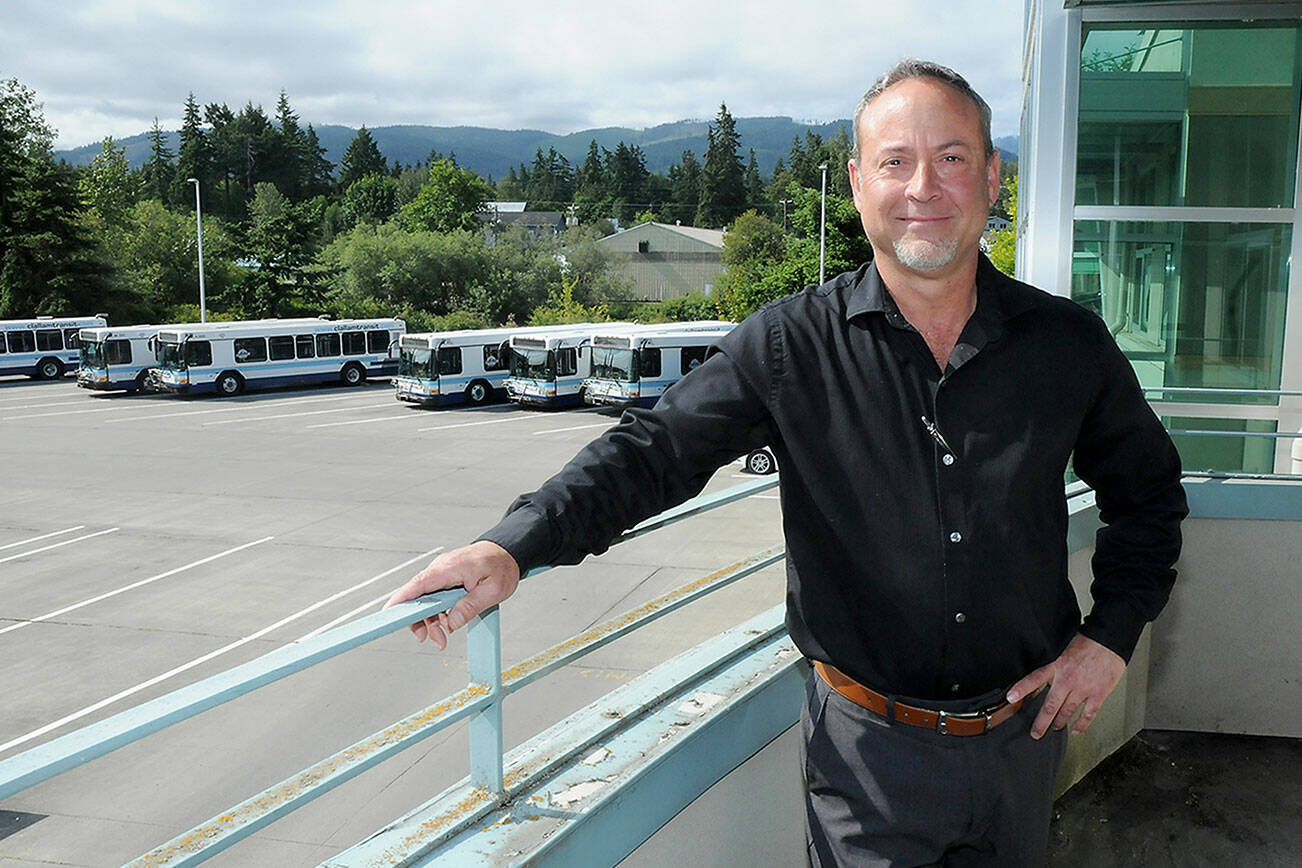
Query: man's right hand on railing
x=487, y=572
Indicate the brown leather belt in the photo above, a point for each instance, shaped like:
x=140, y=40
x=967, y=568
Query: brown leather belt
x=944, y=722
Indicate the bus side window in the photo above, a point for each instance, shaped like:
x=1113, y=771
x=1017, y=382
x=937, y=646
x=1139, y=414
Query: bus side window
x=567, y=362
x=377, y=342
x=306, y=347
x=495, y=357
x=449, y=360
x=72, y=338
x=692, y=358
x=22, y=342
x=2, y=343
x=49, y=339
x=649, y=361
x=281, y=347
x=198, y=354
x=327, y=344
x=250, y=349
x=354, y=343
x=117, y=352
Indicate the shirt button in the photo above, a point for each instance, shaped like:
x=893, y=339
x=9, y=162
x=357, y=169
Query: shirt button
x=960, y=618
x=956, y=537
x=947, y=459
x=953, y=688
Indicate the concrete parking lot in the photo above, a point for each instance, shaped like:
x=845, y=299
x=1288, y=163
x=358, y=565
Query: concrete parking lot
x=150, y=541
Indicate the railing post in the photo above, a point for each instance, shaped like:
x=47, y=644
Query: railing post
x=484, y=662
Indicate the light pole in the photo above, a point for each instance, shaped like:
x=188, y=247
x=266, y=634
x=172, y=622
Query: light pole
x=822, y=226
x=198, y=220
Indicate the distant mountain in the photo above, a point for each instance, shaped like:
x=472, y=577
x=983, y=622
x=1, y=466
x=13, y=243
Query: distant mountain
x=492, y=152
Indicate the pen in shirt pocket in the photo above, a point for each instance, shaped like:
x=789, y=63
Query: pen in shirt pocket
x=935, y=433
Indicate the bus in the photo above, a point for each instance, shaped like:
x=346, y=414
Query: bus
x=635, y=367
x=468, y=366
x=43, y=347
x=229, y=358
x=548, y=369
x=120, y=357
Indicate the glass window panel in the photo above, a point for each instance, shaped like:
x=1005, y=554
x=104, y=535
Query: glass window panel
x=1230, y=453
x=1197, y=115
x=49, y=339
x=281, y=347
x=1191, y=304
x=354, y=343
x=327, y=344
x=377, y=341
x=304, y=347
x=22, y=342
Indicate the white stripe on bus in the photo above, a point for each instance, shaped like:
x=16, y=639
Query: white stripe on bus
x=66, y=542
x=23, y=542
x=140, y=584
x=198, y=661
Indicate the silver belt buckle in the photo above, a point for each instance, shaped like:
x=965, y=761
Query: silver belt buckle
x=945, y=717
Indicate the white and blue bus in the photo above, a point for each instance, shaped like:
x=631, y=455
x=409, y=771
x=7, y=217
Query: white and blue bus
x=468, y=366
x=637, y=366
x=228, y=358
x=120, y=357
x=548, y=369
x=43, y=347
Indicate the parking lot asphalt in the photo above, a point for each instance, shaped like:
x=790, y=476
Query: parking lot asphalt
x=151, y=541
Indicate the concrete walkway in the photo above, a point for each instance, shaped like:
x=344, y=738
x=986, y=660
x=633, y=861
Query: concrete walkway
x=1185, y=799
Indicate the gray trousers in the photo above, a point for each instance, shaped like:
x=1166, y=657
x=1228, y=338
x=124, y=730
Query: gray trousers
x=882, y=794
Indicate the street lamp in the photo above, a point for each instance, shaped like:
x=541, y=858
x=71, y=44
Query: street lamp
x=198, y=220
x=822, y=226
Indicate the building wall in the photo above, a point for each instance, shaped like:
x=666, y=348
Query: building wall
x=662, y=263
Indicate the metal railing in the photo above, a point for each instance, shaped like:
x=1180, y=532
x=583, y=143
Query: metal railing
x=480, y=701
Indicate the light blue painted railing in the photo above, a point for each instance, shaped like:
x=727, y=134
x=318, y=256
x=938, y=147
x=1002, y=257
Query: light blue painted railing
x=480, y=701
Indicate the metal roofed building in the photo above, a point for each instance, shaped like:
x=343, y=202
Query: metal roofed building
x=663, y=261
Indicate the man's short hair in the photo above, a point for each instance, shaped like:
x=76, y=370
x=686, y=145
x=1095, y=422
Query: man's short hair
x=910, y=68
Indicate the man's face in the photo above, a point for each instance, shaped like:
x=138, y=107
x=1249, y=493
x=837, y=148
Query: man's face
x=921, y=183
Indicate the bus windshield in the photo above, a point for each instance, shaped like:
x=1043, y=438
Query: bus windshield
x=613, y=364
x=92, y=354
x=417, y=363
x=171, y=357
x=533, y=364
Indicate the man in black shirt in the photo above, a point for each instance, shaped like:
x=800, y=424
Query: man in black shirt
x=923, y=410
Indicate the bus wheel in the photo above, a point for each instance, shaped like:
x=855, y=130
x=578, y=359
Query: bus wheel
x=49, y=369
x=142, y=382
x=229, y=383
x=478, y=393
x=353, y=374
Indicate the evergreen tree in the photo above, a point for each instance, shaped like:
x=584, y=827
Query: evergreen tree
x=193, y=157
x=755, y=197
x=592, y=193
x=158, y=170
x=290, y=168
x=319, y=172
x=362, y=158
x=723, y=189
x=627, y=174
x=685, y=187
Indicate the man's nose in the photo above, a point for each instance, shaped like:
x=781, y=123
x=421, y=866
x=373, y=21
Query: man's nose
x=924, y=184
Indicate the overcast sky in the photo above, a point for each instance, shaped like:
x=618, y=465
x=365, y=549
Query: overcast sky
x=110, y=67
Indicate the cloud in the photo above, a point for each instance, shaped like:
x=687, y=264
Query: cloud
x=109, y=67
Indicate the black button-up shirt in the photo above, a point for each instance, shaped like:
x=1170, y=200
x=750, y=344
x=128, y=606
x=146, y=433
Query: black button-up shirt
x=924, y=510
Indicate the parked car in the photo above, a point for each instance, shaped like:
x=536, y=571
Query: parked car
x=761, y=462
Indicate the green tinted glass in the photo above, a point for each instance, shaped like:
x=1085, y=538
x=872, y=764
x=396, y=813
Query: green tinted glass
x=1191, y=304
x=1240, y=449
x=1188, y=115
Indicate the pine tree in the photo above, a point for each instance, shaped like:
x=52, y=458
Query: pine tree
x=193, y=157
x=158, y=170
x=723, y=189
x=319, y=171
x=755, y=197
x=685, y=187
x=362, y=158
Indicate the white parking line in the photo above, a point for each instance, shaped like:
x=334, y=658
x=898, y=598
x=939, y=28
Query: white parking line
x=66, y=542
x=410, y=414
x=198, y=661
x=344, y=617
x=62, y=413
x=497, y=421
x=132, y=587
x=242, y=406
x=575, y=428
x=292, y=415
x=82, y=402
x=23, y=542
